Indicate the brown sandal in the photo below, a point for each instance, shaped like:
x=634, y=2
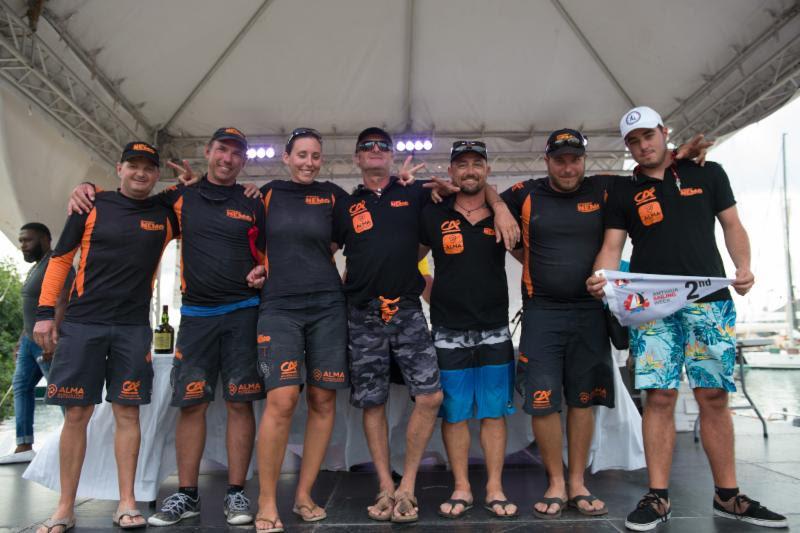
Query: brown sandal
x=383, y=496
x=273, y=525
x=405, y=503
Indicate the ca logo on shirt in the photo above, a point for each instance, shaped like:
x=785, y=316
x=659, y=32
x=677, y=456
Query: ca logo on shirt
x=362, y=219
x=452, y=240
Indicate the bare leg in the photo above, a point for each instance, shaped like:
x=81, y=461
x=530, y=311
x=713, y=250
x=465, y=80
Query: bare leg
x=273, y=434
x=716, y=429
x=190, y=440
x=239, y=438
x=493, y=442
x=547, y=430
x=658, y=426
x=580, y=427
x=71, y=451
x=127, y=437
x=456, y=442
x=319, y=427
x=376, y=431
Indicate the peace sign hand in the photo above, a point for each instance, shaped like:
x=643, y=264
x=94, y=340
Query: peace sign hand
x=408, y=170
x=185, y=173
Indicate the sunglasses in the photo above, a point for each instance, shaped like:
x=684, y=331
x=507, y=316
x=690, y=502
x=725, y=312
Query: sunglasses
x=367, y=146
x=305, y=132
x=468, y=146
x=571, y=141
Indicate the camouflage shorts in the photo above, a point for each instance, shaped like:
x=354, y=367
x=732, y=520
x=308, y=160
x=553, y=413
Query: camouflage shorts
x=373, y=343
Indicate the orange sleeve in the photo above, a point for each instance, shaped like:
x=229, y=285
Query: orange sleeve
x=54, y=277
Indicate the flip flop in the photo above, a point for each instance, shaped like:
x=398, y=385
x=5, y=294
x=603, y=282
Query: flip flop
x=52, y=523
x=453, y=502
x=550, y=501
x=273, y=525
x=131, y=513
x=384, y=494
x=573, y=502
x=405, y=503
x=502, y=503
x=298, y=510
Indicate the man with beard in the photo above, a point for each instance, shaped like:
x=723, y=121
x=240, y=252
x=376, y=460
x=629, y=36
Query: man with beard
x=31, y=362
x=470, y=328
x=669, y=208
x=564, y=348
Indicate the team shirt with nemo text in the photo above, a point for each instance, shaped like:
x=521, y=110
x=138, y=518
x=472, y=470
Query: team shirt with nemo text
x=222, y=239
x=120, y=242
x=299, y=222
x=561, y=235
x=470, y=291
x=380, y=235
x=671, y=221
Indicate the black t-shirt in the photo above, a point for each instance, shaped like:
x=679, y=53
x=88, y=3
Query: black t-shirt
x=222, y=240
x=299, y=235
x=470, y=291
x=561, y=235
x=671, y=222
x=380, y=235
x=121, y=241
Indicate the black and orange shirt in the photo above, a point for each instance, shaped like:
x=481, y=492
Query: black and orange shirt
x=671, y=221
x=299, y=220
x=120, y=242
x=561, y=235
x=222, y=239
x=470, y=291
x=380, y=235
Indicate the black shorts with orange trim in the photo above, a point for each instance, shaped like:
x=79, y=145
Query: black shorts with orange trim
x=304, y=332
x=564, y=351
x=91, y=355
x=210, y=346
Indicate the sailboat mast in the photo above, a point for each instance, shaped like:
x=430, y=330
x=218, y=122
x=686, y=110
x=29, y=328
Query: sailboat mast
x=791, y=325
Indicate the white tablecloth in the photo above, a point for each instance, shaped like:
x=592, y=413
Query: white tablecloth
x=617, y=441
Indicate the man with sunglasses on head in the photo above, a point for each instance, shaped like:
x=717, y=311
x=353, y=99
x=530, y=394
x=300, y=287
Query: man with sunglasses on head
x=378, y=226
x=222, y=240
x=669, y=208
x=470, y=328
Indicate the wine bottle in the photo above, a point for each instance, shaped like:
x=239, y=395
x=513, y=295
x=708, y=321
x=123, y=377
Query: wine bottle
x=164, y=334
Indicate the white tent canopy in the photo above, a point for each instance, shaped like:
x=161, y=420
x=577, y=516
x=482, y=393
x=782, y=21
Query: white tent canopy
x=98, y=73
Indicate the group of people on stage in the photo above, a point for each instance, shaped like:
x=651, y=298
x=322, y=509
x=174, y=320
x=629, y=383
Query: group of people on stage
x=265, y=308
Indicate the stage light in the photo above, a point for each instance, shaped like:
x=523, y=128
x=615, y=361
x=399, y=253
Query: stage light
x=427, y=145
x=401, y=146
x=270, y=152
x=410, y=145
x=260, y=152
x=418, y=145
x=251, y=153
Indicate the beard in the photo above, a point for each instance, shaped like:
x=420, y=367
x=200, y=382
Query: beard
x=472, y=189
x=34, y=255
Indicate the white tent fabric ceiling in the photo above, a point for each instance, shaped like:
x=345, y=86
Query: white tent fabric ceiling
x=508, y=71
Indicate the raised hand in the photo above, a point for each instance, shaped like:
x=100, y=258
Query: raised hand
x=186, y=175
x=695, y=149
x=408, y=170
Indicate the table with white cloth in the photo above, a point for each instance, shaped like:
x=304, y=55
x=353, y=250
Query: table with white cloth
x=617, y=441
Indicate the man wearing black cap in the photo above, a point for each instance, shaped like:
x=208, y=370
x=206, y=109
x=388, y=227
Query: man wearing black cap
x=105, y=336
x=222, y=240
x=470, y=328
x=564, y=346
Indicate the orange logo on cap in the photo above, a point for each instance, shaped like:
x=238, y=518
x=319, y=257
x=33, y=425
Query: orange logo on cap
x=141, y=147
x=234, y=131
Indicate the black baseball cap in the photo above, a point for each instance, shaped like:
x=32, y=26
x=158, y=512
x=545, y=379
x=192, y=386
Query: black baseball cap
x=565, y=141
x=374, y=131
x=230, y=134
x=462, y=147
x=136, y=149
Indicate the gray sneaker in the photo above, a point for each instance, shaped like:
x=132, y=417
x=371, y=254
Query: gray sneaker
x=236, y=507
x=175, y=508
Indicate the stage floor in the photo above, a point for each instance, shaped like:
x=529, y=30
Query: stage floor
x=768, y=470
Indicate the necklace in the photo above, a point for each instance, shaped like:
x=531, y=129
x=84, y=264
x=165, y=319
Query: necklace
x=470, y=211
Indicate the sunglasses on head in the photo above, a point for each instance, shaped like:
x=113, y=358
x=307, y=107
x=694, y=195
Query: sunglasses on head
x=468, y=146
x=571, y=141
x=305, y=132
x=367, y=146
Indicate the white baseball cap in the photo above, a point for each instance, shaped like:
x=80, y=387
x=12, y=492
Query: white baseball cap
x=639, y=117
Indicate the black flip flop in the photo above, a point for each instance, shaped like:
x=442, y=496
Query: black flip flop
x=453, y=502
x=550, y=501
x=502, y=503
x=573, y=502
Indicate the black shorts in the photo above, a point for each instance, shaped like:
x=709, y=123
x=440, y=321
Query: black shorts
x=212, y=345
x=89, y=355
x=564, y=351
x=312, y=335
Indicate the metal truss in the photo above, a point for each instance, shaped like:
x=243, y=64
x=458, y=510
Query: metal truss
x=762, y=77
x=33, y=68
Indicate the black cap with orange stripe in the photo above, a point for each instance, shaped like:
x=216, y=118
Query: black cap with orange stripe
x=136, y=149
x=230, y=134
